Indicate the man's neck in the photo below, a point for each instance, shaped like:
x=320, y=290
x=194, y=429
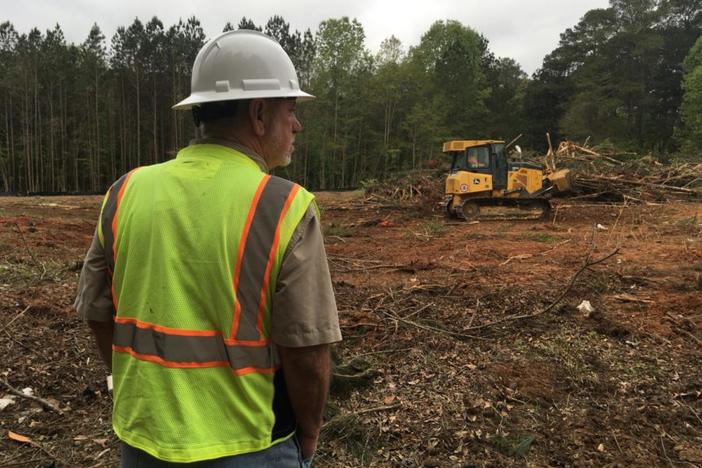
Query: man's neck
x=235, y=145
x=234, y=135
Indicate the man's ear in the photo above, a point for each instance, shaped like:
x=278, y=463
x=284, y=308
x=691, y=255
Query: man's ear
x=257, y=110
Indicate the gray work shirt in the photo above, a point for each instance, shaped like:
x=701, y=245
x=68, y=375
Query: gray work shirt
x=303, y=308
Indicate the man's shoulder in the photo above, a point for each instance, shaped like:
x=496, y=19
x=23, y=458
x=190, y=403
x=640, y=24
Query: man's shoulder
x=144, y=170
x=288, y=185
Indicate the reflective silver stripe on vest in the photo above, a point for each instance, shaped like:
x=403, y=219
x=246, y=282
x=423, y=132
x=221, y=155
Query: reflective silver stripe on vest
x=256, y=252
x=202, y=351
x=108, y=215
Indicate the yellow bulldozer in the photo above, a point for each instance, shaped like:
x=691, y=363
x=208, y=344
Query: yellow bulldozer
x=484, y=184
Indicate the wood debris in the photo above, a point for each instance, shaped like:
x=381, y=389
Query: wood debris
x=607, y=174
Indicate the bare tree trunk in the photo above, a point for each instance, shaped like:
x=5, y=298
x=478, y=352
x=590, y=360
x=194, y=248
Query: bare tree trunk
x=155, y=121
x=174, y=97
x=357, y=156
x=52, y=155
x=414, y=148
x=26, y=138
x=91, y=146
x=39, y=170
x=98, y=181
x=162, y=138
x=5, y=165
x=344, y=152
x=9, y=139
x=64, y=138
x=334, y=135
x=138, y=119
x=322, y=171
x=123, y=128
x=64, y=183
x=386, y=123
x=111, y=138
x=305, y=162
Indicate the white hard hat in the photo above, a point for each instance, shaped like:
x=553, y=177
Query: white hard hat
x=242, y=64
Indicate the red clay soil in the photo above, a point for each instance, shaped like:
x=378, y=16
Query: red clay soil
x=454, y=352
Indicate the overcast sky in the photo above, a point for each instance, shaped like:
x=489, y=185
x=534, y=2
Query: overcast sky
x=524, y=30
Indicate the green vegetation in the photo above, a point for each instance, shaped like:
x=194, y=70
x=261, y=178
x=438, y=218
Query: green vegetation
x=513, y=446
x=434, y=227
x=690, y=131
x=574, y=358
x=540, y=237
x=691, y=224
x=334, y=230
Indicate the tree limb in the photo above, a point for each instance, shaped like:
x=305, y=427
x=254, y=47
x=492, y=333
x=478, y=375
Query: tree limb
x=587, y=265
x=46, y=404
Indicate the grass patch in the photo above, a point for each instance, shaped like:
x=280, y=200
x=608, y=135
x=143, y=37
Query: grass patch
x=639, y=370
x=574, y=355
x=517, y=446
x=434, y=227
x=338, y=231
x=690, y=225
x=540, y=237
x=27, y=273
x=521, y=346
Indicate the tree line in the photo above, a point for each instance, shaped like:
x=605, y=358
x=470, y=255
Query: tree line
x=73, y=117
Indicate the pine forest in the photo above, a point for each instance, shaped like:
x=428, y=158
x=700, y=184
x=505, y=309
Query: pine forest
x=74, y=117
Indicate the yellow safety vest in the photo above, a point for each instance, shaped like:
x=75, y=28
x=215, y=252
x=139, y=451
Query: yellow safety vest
x=194, y=247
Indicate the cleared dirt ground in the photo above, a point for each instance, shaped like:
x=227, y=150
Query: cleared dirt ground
x=454, y=353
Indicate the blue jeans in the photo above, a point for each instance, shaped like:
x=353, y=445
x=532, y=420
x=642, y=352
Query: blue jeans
x=285, y=454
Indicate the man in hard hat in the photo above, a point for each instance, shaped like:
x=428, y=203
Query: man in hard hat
x=207, y=285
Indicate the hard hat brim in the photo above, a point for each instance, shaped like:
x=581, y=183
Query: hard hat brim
x=202, y=98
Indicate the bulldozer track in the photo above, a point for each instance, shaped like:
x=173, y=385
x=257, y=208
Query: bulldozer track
x=486, y=209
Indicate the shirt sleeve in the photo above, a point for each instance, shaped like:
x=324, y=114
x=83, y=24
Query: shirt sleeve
x=303, y=308
x=94, y=299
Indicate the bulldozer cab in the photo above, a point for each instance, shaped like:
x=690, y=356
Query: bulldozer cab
x=481, y=157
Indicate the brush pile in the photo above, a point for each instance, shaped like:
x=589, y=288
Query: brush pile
x=419, y=186
x=607, y=174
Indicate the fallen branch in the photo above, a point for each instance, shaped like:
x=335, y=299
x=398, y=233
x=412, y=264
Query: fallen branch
x=516, y=257
x=425, y=306
x=341, y=418
x=383, y=351
x=672, y=188
x=377, y=408
x=554, y=247
x=359, y=325
x=353, y=261
x=362, y=378
x=46, y=404
x=432, y=329
x=679, y=329
x=29, y=251
x=587, y=265
x=15, y=318
x=685, y=332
